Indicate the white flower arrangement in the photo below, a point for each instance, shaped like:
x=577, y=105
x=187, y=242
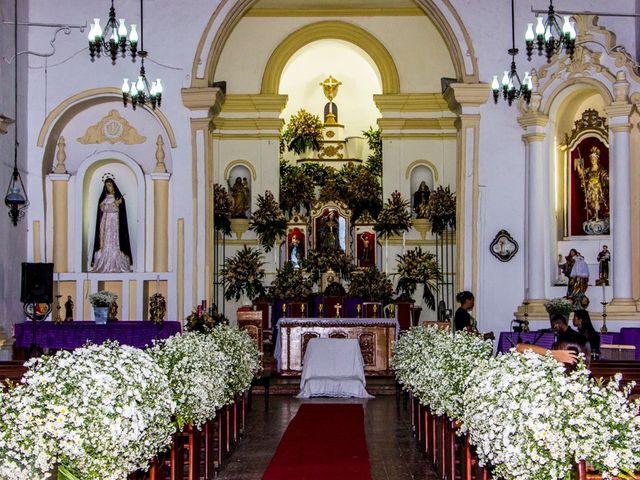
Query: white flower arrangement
x=198, y=372
x=103, y=298
x=243, y=355
x=530, y=420
x=560, y=306
x=435, y=366
x=100, y=411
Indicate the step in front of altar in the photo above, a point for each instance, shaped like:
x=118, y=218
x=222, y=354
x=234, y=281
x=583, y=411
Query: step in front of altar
x=291, y=386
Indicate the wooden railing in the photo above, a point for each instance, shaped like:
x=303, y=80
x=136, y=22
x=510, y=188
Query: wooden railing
x=453, y=456
x=197, y=454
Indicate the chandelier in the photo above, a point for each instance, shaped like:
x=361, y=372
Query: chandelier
x=512, y=87
x=140, y=92
x=16, y=198
x=549, y=37
x=113, y=38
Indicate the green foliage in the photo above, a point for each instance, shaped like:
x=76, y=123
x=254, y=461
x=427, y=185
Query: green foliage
x=268, y=221
x=371, y=284
x=221, y=209
x=395, y=216
x=374, y=160
x=304, y=131
x=320, y=261
x=297, y=189
x=204, y=322
x=243, y=274
x=417, y=267
x=441, y=210
x=361, y=190
x=290, y=284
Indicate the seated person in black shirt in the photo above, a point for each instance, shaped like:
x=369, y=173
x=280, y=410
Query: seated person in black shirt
x=564, y=333
x=462, y=319
x=582, y=321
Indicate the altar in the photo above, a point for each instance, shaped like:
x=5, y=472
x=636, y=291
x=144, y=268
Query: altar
x=376, y=337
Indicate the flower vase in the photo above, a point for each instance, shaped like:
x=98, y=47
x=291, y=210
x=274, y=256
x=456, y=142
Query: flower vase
x=100, y=315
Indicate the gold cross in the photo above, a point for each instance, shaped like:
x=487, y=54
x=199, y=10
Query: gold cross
x=337, y=306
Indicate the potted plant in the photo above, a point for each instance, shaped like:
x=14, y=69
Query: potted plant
x=318, y=262
x=242, y=275
x=371, y=285
x=296, y=189
x=559, y=306
x=441, y=210
x=268, y=221
x=303, y=132
x=101, y=302
x=291, y=286
x=221, y=210
x=417, y=267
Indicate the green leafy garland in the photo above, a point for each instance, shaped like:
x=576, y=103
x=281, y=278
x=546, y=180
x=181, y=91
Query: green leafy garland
x=296, y=188
x=441, y=210
x=371, y=284
x=319, y=261
x=243, y=274
x=417, y=267
x=374, y=160
x=290, y=284
x=268, y=221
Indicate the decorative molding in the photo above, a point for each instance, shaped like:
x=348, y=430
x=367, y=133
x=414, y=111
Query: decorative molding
x=430, y=165
x=411, y=102
x=591, y=120
x=69, y=108
x=161, y=167
x=533, y=119
x=244, y=163
x=335, y=12
x=533, y=137
x=254, y=103
x=61, y=157
x=441, y=123
x=207, y=98
x=257, y=123
x=112, y=128
x=4, y=123
x=245, y=136
x=420, y=136
x=459, y=95
x=331, y=30
x=618, y=109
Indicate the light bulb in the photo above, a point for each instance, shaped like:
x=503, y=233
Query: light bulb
x=525, y=80
x=125, y=86
x=528, y=81
x=158, y=86
x=572, y=30
x=114, y=36
x=529, y=36
x=153, y=91
x=122, y=30
x=134, y=89
x=97, y=28
x=511, y=87
x=539, y=26
x=495, y=85
x=133, y=35
x=140, y=84
x=566, y=26
x=505, y=79
x=92, y=33
x=548, y=35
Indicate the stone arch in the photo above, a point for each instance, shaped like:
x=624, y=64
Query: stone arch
x=61, y=115
x=334, y=30
x=569, y=87
x=229, y=12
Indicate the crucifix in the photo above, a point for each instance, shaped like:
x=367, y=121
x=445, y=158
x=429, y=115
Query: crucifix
x=338, y=307
x=330, y=88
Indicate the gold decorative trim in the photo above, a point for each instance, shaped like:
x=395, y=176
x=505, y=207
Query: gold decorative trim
x=244, y=163
x=411, y=102
x=112, y=128
x=69, y=108
x=425, y=163
x=420, y=136
x=590, y=120
x=333, y=30
x=335, y=12
x=254, y=103
x=441, y=123
x=245, y=136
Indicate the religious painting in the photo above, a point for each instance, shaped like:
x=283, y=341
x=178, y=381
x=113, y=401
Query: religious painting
x=296, y=238
x=587, y=177
x=503, y=246
x=366, y=249
x=331, y=227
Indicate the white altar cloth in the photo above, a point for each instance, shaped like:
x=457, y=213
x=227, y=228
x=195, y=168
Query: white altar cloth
x=333, y=367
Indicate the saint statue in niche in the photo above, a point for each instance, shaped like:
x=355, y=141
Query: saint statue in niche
x=329, y=233
x=604, y=257
x=240, y=193
x=421, y=200
x=365, y=246
x=296, y=247
x=111, y=245
x=68, y=309
x=578, y=271
x=594, y=181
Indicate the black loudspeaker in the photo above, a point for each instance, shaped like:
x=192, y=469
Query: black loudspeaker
x=37, y=283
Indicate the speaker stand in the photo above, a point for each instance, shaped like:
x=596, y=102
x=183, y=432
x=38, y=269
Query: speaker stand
x=37, y=312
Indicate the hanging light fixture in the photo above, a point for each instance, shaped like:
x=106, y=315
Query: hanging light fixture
x=113, y=38
x=549, y=37
x=16, y=198
x=139, y=92
x=511, y=86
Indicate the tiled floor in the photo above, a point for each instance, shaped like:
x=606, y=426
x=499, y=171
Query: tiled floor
x=392, y=450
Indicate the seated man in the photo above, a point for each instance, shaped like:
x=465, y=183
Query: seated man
x=564, y=333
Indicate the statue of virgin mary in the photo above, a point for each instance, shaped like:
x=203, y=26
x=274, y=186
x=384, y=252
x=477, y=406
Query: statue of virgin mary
x=111, y=246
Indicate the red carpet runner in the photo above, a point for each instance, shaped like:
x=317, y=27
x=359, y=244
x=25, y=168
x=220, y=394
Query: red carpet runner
x=323, y=442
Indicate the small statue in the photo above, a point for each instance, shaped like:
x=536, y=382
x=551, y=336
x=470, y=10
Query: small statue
x=157, y=308
x=240, y=193
x=594, y=181
x=112, y=315
x=68, y=309
x=295, y=252
x=604, y=257
x=578, y=275
x=421, y=200
x=561, y=279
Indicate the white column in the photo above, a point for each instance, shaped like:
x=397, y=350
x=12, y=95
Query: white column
x=620, y=188
x=535, y=215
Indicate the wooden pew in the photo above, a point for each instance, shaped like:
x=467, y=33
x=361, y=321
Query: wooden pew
x=630, y=370
x=12, y=371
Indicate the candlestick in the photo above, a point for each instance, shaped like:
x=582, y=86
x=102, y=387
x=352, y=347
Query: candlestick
x=358, y=308
x=302, y=310
x=57, y=318
x=157, y=283
x=392, y=310
x=320, y=308
x=284, y=310
x=375, y=310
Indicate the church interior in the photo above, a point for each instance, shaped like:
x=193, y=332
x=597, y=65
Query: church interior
x=406, y=205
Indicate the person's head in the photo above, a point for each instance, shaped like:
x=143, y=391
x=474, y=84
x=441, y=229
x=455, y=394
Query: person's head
x=466, y=299
x=573, y=252
x=576, y=348
x=582, y=320
x=594, y=156
x=604, y=248
x=559, y=323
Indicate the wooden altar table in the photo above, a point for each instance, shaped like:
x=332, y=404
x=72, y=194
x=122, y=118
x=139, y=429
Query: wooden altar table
x=375, y=336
